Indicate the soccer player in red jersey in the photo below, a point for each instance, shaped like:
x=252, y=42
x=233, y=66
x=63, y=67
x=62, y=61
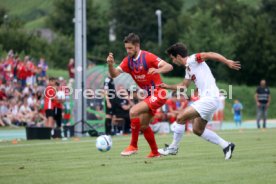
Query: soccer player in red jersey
x=145, y=68
x=49, y=103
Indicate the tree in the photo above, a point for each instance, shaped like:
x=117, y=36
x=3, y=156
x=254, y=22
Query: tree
x=61, y=21
x=3, y=12
x=139, y=17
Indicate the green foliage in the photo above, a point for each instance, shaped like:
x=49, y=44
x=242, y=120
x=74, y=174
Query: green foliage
x=3, y=12
x=60, y=51
x=28, y=9
x=239, y=29
x=61, y=21
x=56, y=53
x=53, y=72
x=61, y=17
x=139, y=17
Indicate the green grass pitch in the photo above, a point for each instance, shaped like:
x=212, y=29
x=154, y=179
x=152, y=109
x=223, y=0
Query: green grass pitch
x=73, y=161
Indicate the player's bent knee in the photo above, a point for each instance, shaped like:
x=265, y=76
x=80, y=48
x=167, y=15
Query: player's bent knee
x=133, y=113
x=198, y=131
x=180, y=120
x=143, y=127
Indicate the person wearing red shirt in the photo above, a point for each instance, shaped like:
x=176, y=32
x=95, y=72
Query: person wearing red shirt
x=8, y=67
x=30, y=72
x=49, y=95
x=58, y=104
x=71, y=68
x=145, y=68
x=22, y=72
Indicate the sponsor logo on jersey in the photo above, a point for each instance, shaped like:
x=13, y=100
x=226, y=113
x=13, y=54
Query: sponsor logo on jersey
x=140, y=77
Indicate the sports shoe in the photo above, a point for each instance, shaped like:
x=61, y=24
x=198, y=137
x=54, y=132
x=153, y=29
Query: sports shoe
x=228, y=151
x=167, y=150
x=130, y=150
x=153, y=155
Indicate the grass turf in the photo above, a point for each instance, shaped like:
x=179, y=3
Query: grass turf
x=72, y=161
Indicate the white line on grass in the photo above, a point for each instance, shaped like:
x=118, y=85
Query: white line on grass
x=123, y=138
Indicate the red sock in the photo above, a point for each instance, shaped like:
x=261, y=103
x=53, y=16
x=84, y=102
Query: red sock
x=135, y=130
x=149, y=136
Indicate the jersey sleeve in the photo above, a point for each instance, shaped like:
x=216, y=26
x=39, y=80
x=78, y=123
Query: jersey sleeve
x=153, y=60
x=123, y=67
x=195, y=59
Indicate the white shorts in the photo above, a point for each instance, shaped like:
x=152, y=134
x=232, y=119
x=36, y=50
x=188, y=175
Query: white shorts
x=206, y=107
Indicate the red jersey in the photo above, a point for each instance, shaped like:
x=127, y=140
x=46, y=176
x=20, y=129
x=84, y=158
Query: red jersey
x=21, y=71
x=49, y=102
x=70, y=68
x=138, y=69
x=30, y=68
x=171, y=104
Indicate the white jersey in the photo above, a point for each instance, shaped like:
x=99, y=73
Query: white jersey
x=199, y=72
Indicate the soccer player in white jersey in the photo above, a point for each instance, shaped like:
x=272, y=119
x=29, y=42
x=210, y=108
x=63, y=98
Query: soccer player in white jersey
x=202, y=110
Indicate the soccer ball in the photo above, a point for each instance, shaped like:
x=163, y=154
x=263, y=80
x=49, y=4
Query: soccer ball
x=104, y=143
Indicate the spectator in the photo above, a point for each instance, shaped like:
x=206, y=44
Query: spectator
x=16, y=62
x=44, y=67
x=71, y=69
x=237, y=111
x=27, y=113
x=262, y=98
x=3, y=95
x=109, y=88
x=22, y=72
x=8, y=67
x=67, y=128
x=30, y=72
x=3, y=113
x=49, y=102
x=122, y=106
x=58, y=106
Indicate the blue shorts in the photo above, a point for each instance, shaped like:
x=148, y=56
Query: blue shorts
x=237, y=118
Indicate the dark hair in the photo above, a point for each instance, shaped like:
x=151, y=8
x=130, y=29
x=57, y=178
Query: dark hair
x=52, y=79
x=132, y=38
x=174, y=94
x=178, y=48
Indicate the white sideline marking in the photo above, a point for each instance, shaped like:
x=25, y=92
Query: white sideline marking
x=119, y=139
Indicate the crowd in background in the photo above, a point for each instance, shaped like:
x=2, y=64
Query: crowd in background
x=22, y=85
x=22, y=100
x=22, y=82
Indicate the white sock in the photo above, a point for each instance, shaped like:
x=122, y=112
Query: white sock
x=177, y=135
x=212, y=137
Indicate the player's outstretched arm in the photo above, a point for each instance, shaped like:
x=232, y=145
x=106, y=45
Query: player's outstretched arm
x=114, y=72
x=163, y=67
x=184, y=84
x=235, y=65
